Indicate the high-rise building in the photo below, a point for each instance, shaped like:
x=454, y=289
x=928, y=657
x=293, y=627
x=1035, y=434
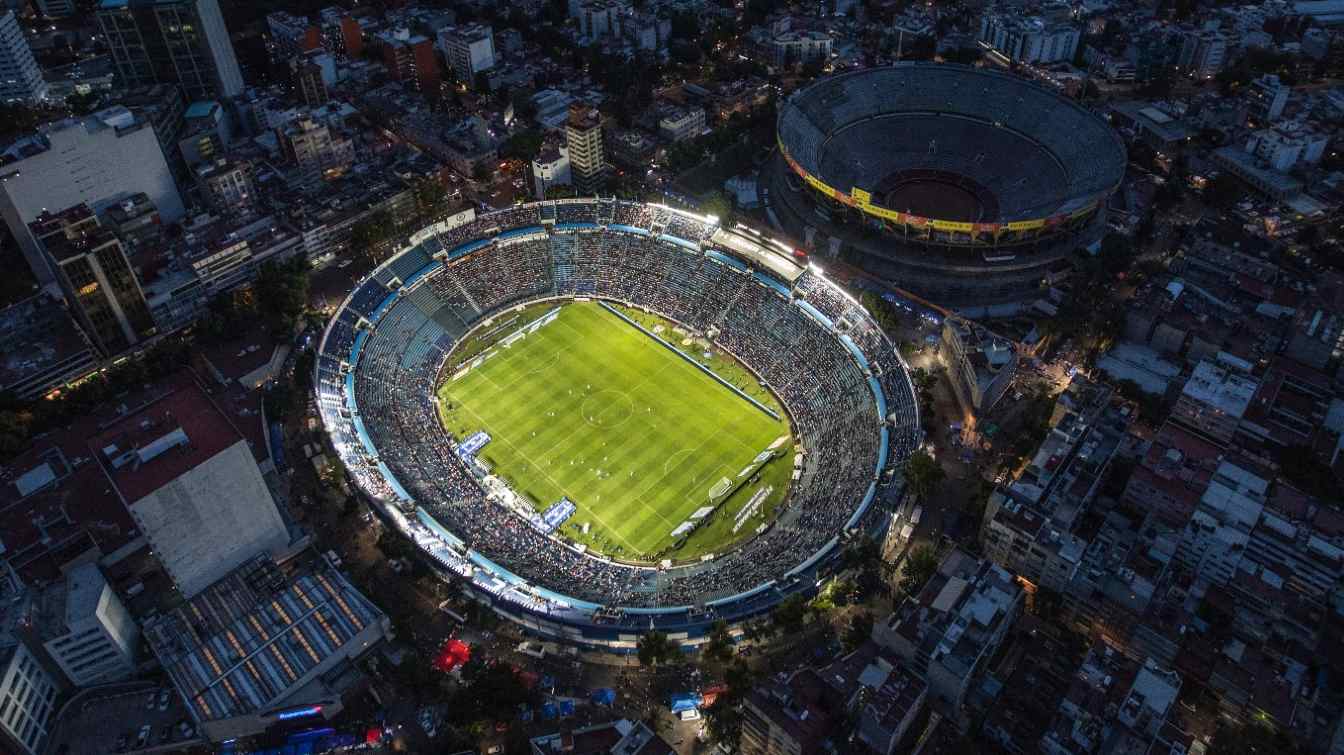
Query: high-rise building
x=1029, y=40
x=550, y=168
x=181, y=41
x=288, y=35
x=1266, y=97
x=469, y=50
x=93, y=272
x=193, y=487
x=226, y=184
x=86, y=629
x=98, y=160
x=410, y=59
x=583, y=138
x=309, y=77
x=1203, y=53
x=20, y=78
x=27, y=690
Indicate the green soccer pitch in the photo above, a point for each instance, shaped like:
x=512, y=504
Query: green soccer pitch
x=590, y=408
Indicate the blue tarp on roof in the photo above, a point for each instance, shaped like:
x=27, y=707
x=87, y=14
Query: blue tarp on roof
x=604, y=696
x=684, y=701
x=567, y=708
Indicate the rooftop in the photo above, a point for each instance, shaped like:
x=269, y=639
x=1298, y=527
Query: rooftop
x=1227, y=391
x=244, y=642
x=149, y=447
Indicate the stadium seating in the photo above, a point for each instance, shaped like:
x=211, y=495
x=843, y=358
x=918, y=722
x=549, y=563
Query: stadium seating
x=792, y=342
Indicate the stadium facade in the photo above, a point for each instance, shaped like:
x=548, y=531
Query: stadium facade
x=845, y=387
x=965, y=186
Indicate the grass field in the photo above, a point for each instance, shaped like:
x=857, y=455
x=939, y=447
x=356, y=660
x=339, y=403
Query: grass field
x=590, y=408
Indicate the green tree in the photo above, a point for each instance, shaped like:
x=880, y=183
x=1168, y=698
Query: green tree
x=654, y=648
x=919, y=567
x=523, y=145
x=719, y=205
x=858, y=630
x=923, y=474
x=791, y=614
x=719, y=647
x=282, y=292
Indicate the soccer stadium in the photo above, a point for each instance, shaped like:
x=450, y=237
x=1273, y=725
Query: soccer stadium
x=604, y=416
x=966, y=186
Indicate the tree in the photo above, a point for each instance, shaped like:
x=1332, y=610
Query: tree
x=1116, y=254
x=523, y=145
x=719, y=647
x=791, y=614
x=857, y=632
x=368, y=234
x=719, y=205
x=1223, y=190
x=654, y=648
x=282, y=292
x=919, y=567
x=923, y=473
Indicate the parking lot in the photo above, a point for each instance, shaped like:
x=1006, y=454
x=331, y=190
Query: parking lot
x=112, y=723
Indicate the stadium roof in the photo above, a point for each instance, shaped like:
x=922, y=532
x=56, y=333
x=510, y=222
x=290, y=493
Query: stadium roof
x=1038, y=156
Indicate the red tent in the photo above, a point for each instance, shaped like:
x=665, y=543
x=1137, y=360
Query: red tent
x=453, y=654
x=373, y=736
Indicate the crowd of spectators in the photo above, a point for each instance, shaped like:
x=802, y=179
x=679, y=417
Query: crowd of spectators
x=377, y=400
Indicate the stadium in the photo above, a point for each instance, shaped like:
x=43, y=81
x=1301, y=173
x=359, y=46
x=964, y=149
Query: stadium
x=965, y=186
x=605, y=416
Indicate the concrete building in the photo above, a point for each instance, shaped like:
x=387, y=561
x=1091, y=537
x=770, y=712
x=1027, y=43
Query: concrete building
x=98, y=160
x=801, y=47
x=953, y=626
x=226, y=184
x=583, y=139
x=20, y=77
x=682, y=124
x=315, y=148
x=27, y=693
x=192, y=486
x=288, y=35
x=468, y=49
x=1213, y=401
x=43, y=348
x=410, y=59
x=86, y=629
x=265, y=643
x=1203, y=53
x=1265, y=98
x=550, y=168
x=310, y=72
x=980, y=364
x=181, y=41
x=27, y=689
x=1029, y=40
x=93, y=272
x=1213, y=542
x=1283, y=148
x=787, y=718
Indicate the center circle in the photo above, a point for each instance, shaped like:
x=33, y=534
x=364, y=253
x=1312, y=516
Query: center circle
x=607, y=408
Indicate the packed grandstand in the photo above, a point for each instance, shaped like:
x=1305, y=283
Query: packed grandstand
x=978, y=181
x=845, y=388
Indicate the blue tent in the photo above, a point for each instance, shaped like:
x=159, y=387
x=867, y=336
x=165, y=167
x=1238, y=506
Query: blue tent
x=685, y=701
x=548, y=711
x=604, y=696
x=567, y=708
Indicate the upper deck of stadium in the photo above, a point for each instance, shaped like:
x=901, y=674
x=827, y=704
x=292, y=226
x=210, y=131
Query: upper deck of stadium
x=990, y=148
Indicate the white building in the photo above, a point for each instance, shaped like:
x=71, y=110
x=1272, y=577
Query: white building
x=1219, y=530
x=27, y=691
x=20, y=76
x=193, y=487
x=1282, y=148
x=1266, y=98
x=801, y=47
x=468, y=49
x=98, y=160
x=1203, y=53
x=682, y=124
x=1029, y=40
x=86, y=629
x=550, y=168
